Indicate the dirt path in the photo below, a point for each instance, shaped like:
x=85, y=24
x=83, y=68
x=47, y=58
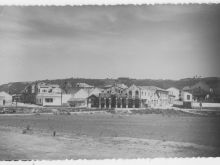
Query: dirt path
x=15, y=145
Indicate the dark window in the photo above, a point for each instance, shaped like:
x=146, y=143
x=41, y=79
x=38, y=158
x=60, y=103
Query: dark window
x=49, y=100
x=130, y=93
x=188, y=97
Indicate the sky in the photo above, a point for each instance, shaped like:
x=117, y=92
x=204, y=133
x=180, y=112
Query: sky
x=155, y=42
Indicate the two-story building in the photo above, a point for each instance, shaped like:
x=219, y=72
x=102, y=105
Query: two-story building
x=175, y=92
x=49, y=95
x=44, y=94
x=150, y=96
x=115, y=88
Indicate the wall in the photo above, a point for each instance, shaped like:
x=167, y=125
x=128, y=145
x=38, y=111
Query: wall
x=184, y=96
x=65, y=98
x=56, y=100
x=147, y=94
x=6, y=97
x=175, y=92
x=212, y=105
x=133, y=89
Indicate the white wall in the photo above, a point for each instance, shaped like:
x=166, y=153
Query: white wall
x=147, y=94
x=175, y=92
x=184, y=96
x=56, y=100
x=213, y=105
x=5, y=96
x=65, y=98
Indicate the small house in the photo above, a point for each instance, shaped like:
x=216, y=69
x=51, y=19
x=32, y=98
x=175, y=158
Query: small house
x=186, y=96
x=5, y=98
x=174, y=92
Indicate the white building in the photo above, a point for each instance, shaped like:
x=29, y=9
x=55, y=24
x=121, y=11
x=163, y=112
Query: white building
x=5, y=98
x=186, y=96
x=49, y=95
x=175, y=92
x=150, y=95
x=79, y=97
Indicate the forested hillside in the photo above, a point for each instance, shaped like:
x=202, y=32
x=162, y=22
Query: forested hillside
x=213, y=82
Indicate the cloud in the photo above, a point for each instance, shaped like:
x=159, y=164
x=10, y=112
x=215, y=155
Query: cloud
x=140, y=41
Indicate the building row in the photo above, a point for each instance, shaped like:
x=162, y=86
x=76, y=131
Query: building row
x=110, y=96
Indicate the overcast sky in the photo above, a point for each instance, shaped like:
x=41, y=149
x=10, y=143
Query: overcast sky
x=157, y=42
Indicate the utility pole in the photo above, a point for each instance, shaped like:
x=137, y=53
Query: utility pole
x=16, y=102
x=61, y=94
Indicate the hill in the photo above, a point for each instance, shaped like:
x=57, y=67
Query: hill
x=212, y=82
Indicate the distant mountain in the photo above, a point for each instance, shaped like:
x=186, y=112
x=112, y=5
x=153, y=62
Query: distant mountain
x=212, y=82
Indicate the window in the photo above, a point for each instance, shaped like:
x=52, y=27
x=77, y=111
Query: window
x=48, y=100
x=188, y=97
x=130, y=93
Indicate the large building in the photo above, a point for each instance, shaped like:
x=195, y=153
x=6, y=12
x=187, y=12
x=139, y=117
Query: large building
x=43, y=94
x=150, y=96
x=132, y=97
x=49, y=95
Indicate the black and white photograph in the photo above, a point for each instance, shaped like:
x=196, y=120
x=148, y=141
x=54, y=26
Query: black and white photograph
x=109, y=82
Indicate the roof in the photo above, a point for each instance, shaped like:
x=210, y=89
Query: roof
x=186, y=92
x=186, y=88
x=76, y=99
x=160, y=89
x=123, y=86
x=118, y=85
x=107, y=95
x=108, y=86
x=42, y=84
x=152, y=88
x=172, y=88
x=3, y=93
x=147, y=87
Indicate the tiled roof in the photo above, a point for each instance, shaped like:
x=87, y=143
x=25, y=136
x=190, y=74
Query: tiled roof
x=118, y=85
x=148, y=87
x=152, y=88
x=172, y=88
x=186, y=88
